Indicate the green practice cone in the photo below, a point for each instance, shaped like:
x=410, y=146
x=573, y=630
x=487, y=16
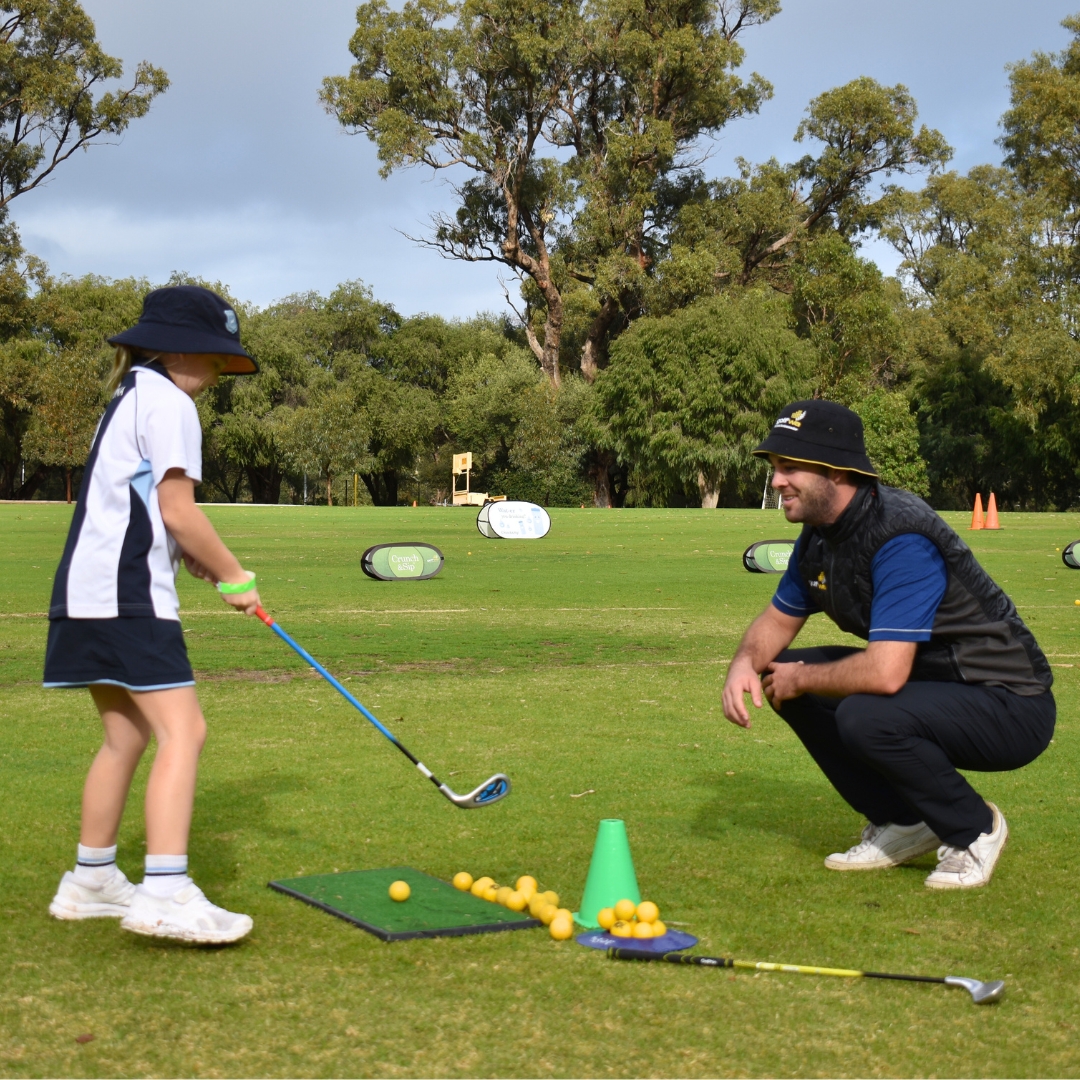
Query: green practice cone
x=611, y=873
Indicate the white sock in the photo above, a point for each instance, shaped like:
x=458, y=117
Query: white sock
x=95, y=865
x=165, y=875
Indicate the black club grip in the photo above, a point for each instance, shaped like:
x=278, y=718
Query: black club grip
x=616, y=953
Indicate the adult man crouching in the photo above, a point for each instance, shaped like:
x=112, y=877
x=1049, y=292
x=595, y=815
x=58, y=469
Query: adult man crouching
x=950, y=679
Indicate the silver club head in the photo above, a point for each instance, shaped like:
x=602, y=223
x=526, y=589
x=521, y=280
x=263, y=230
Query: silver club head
x=490, y=791
x=982, y=993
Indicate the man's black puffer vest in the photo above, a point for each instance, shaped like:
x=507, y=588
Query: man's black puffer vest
x=977, y=636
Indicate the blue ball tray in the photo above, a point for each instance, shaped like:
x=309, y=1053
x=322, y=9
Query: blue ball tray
x=672, y=941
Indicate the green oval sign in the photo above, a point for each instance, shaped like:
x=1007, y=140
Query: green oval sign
x=768, y=556
x=401, y=562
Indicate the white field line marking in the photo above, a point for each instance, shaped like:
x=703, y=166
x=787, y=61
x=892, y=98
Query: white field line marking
x=404, y=611
x=195, y=614
x=190, y=613
x=598, y=609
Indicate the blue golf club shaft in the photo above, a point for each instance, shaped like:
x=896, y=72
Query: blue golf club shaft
x=300, y=650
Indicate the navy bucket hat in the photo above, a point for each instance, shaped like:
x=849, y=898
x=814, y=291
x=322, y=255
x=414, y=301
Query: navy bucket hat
x=819, y=433
x=189, y=319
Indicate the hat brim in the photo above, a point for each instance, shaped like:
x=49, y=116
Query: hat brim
x=157, y=337
x=795, y=449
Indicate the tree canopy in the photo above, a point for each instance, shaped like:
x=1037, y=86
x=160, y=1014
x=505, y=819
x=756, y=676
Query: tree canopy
x=571, y=121
x=661, y=320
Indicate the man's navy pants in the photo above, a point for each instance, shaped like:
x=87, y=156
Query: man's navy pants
x=894, y=758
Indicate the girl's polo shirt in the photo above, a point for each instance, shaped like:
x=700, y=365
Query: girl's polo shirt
x=119, y=559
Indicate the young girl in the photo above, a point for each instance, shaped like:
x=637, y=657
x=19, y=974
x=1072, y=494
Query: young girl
x=114, y=623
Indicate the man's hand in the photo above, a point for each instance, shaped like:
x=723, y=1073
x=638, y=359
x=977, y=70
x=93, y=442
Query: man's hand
x=742, y=680
x=769, y=634
x=782, y=682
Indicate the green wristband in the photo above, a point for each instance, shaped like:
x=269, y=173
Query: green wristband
x=233, y=590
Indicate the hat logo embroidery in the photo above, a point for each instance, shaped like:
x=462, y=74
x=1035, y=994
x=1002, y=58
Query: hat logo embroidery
x=820, y=583
x=792, y=422
x=230, y=321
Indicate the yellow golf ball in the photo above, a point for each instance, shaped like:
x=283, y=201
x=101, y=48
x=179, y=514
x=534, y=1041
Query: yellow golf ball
x=479, y=885
x=526, y=885
x=491, y=894
x=502, y=894
x=647, y=911
x=516, y=901
x=606, y=918
x=463, y=881
x=658, y=928
x=552, y=897
x=400, y=891
x=643, y=930
x=547, y=914
x=625, y=909
x=621, y=929
x=561, y=928
x=537, y=903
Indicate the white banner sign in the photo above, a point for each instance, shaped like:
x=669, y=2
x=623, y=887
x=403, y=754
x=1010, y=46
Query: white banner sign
x=513, y=521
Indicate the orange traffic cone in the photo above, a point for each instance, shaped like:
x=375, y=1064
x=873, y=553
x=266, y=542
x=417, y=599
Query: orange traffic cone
x=976, y=513
x=991, y=513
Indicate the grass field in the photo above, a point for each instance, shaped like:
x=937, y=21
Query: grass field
x=590, y=660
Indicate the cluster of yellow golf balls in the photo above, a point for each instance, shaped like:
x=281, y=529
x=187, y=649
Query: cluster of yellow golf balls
x=525, y=894
x=627, y=919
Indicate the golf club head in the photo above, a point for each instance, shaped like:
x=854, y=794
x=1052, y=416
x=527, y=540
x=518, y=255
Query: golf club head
x=982, y=993
x=490, y=791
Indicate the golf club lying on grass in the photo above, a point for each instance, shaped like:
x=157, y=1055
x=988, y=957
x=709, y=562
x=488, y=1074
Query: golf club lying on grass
x=490, y=791
x=982, y=993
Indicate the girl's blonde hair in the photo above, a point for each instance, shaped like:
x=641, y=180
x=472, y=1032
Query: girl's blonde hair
x=122, y=361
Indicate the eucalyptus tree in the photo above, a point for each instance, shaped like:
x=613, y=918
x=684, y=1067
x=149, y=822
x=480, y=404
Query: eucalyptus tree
x=61, y=358
x=51, y=65
x=56, y=97
x=568, y=119
x=753, y=228
x=687, y=397
x=1042, y=125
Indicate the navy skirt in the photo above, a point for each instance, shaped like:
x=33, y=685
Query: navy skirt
x=137, y=654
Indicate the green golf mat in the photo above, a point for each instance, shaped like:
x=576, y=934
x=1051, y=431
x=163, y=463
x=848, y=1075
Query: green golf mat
x=435, y=908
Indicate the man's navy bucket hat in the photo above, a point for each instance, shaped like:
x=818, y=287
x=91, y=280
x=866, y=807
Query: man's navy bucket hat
x=819, y=433
x=189, y=319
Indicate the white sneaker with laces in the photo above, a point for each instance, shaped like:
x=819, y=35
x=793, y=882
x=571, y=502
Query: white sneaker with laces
x=185, y=916
x=80, y=900
x=885, y=845
x=970, y=867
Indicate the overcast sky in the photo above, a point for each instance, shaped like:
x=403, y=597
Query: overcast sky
x=238, y=175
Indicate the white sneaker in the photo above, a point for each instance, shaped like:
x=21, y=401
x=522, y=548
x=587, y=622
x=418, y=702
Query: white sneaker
x=970, y=867
x=79, y=900
x=885, y=845
x=185, y=916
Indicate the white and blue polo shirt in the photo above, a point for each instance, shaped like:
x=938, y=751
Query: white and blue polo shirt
x=119, y=561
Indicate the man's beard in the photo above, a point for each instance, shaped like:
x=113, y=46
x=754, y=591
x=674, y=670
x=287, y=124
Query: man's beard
x=817, y=502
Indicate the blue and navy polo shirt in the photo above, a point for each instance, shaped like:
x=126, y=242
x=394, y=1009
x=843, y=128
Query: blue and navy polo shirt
x=909, y=579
